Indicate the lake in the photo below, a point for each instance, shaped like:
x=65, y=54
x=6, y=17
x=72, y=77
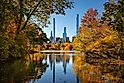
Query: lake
x=58, y=67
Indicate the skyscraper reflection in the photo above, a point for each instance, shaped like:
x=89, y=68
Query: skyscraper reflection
x=54, y=71
x=59, y=63
x=50, y=61
x=53, y=59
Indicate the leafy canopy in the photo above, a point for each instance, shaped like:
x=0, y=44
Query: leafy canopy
x=114, y=14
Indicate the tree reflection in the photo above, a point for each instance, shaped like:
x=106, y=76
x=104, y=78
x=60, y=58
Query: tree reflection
x=21, y=71
x=112, y=73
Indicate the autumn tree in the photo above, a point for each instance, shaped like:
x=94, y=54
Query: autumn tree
x=37, y=10
x=114, y=14
x=90, y=18
x=19, y=20
x=40, y=10
x=97, y=40
x=36, y=34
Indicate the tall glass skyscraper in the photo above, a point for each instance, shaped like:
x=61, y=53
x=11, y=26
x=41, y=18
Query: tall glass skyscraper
x=54, y=28
x=64, y=34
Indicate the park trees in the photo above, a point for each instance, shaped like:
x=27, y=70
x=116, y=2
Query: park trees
x=39, y=9
x=98, y=39
x=113, y=14
x=20, y=21
x=90, y=18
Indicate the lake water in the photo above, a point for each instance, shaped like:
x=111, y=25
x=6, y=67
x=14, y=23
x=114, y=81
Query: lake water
x=58, y=67
x=52, y=67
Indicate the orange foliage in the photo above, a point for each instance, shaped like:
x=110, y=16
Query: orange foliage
x=88, y=73
x=34, y=57
x=12, y=27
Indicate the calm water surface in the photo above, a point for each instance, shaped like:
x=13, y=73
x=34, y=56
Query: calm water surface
x=56, y=67
x=59, y=69
x=50, y=68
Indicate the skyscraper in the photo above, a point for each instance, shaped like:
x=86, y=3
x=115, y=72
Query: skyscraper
x=64, y=34
x=51, y=38
x=51, y=34
x=54, y=28
x=77, y=23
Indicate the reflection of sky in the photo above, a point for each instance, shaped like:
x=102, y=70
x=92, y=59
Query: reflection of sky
x=64, y=63
x=80, y=7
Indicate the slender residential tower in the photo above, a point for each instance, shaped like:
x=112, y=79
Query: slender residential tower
x=77, y=24
x=64, y=34
x=51, y=34
x=54, y=28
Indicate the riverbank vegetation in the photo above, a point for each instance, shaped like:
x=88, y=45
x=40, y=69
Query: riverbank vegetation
x=101, y=40
x=58, y=46
x=102, y=37
x=103, y=71
x=21, y=22
x=19, y=71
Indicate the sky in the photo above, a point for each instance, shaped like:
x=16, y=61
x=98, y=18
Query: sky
x=69, y=20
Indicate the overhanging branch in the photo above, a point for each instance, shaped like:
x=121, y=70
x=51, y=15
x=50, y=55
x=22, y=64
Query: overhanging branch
x=30, y=13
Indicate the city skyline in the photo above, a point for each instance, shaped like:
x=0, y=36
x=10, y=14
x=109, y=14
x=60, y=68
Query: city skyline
x=69, y=20
x=56, y=39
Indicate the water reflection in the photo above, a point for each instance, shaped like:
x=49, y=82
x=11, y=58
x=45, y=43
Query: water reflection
x=39, y=68
x=105, y=73
x=21, y=71
x=59, y=68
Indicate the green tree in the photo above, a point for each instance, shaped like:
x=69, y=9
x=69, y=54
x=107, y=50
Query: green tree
x=36, y=35
x=114, y=17
x=114, y=14
x=40, y=10
x=16, y=17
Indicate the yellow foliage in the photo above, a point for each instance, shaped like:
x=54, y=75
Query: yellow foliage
x=96, y=39
x=34, y=57
x=12, y=27
x=37, y=48
x=88, y=73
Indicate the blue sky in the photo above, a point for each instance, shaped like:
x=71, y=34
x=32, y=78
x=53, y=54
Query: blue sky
x=69, y=20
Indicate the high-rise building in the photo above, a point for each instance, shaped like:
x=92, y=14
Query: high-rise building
x=77, y=24
x=73, y=38
x=51, y=38
x=54, y=39
x=51, y=35
x=64, y=34
x=77, y=27
x=67, y=39
x=54, y=28
x=58, y=40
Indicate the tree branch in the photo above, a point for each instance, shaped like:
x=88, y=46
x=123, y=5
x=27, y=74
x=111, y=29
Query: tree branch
x=30, y=13
x=20, y=17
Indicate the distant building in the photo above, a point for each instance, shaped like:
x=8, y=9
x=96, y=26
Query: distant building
x=67, y=39
x=51, y=38
x=73, y=38
x=64, y=34
x=54, y=29
x=54, y=39
x=57, y=39
x=77, y=24
x=62, y=40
